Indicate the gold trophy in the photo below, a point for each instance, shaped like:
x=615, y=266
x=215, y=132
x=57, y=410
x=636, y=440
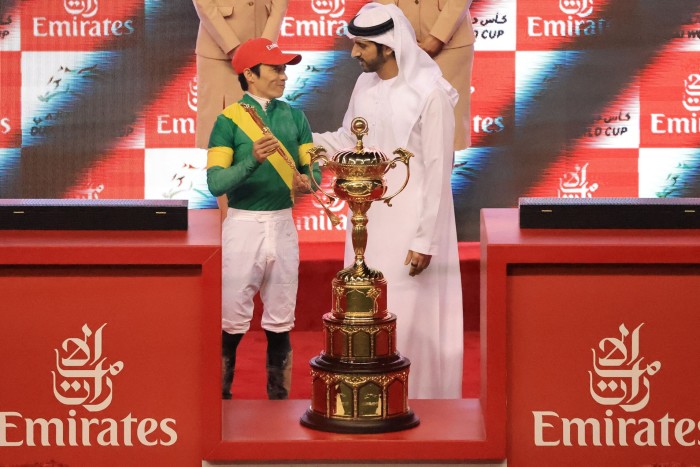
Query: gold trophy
x=360, y=381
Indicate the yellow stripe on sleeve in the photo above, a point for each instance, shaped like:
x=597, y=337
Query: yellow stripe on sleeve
x=220, y=156
x=304, y=156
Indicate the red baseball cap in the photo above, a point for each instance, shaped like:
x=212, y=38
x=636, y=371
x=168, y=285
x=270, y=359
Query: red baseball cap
x=256, y=51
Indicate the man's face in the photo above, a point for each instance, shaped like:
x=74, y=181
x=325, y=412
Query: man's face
x=270, y=84
x=369, y=55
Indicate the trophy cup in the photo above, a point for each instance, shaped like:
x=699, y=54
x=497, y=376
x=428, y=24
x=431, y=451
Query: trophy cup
x=360, y=381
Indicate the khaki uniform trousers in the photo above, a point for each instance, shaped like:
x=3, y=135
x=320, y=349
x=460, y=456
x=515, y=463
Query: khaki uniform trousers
x=217, y=88
x=456, y=67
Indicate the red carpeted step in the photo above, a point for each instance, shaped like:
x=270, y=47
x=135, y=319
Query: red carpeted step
x=249, y=382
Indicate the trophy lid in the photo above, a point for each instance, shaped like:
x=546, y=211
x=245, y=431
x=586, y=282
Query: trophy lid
x=359, y=155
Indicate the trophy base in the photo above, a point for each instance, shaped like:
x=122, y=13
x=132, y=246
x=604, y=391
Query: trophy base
x=359, y=397
x=401, y=422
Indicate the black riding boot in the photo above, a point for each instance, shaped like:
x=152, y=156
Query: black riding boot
x=279, y=365
x=229, y=343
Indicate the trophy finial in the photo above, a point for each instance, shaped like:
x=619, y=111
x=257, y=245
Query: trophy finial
x=359, y=128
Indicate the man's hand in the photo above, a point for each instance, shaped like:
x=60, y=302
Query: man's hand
x=432, y=45
x=418, y=262
x=264, y=147
x=301, y=183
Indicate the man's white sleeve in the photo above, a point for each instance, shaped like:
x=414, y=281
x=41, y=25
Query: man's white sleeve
x=437, y=132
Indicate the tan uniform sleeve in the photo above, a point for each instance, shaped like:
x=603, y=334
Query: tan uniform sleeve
x=449, y=19
x=212, y=18
x=278, y=8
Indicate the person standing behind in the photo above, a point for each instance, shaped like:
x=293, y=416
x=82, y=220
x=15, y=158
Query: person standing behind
x=408, y=104
x=444, y=30
x=259, y=173
x=223, y=26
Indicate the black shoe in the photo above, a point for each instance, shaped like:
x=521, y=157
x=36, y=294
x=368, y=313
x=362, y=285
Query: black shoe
x=229, y=343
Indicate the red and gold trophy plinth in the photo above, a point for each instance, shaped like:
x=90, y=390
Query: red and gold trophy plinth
x=360, y=381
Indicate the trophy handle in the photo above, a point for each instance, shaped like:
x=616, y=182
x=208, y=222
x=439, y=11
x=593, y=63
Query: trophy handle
x=318, y=153
x=403, y=156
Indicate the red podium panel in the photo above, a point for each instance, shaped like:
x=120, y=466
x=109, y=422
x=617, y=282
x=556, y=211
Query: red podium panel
x=602, y=352
x=102, y=335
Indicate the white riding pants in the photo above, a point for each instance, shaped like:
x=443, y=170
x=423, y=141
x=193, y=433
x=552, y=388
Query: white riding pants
x=260, y=252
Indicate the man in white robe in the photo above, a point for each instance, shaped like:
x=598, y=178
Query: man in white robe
x=408, y=104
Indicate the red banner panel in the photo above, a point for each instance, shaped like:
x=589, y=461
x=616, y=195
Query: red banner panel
x=10, y=107
x=317, y=24
x=81, y=24
x=591, y=173
x=119, y=175
x=670, y=101
x=171, y=119
x=493, y=98
x=559, y=24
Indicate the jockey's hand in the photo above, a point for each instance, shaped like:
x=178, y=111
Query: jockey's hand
x=301, y=183
x=265, y=147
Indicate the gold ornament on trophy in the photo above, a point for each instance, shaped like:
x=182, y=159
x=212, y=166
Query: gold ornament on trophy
x=360, y=381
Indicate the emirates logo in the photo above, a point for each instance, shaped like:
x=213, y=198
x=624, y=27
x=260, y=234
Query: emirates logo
x=332, y=8
x=580, y=8
x=82, y=375
x=84, y=8
x=691, y=94
x=619, y=376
